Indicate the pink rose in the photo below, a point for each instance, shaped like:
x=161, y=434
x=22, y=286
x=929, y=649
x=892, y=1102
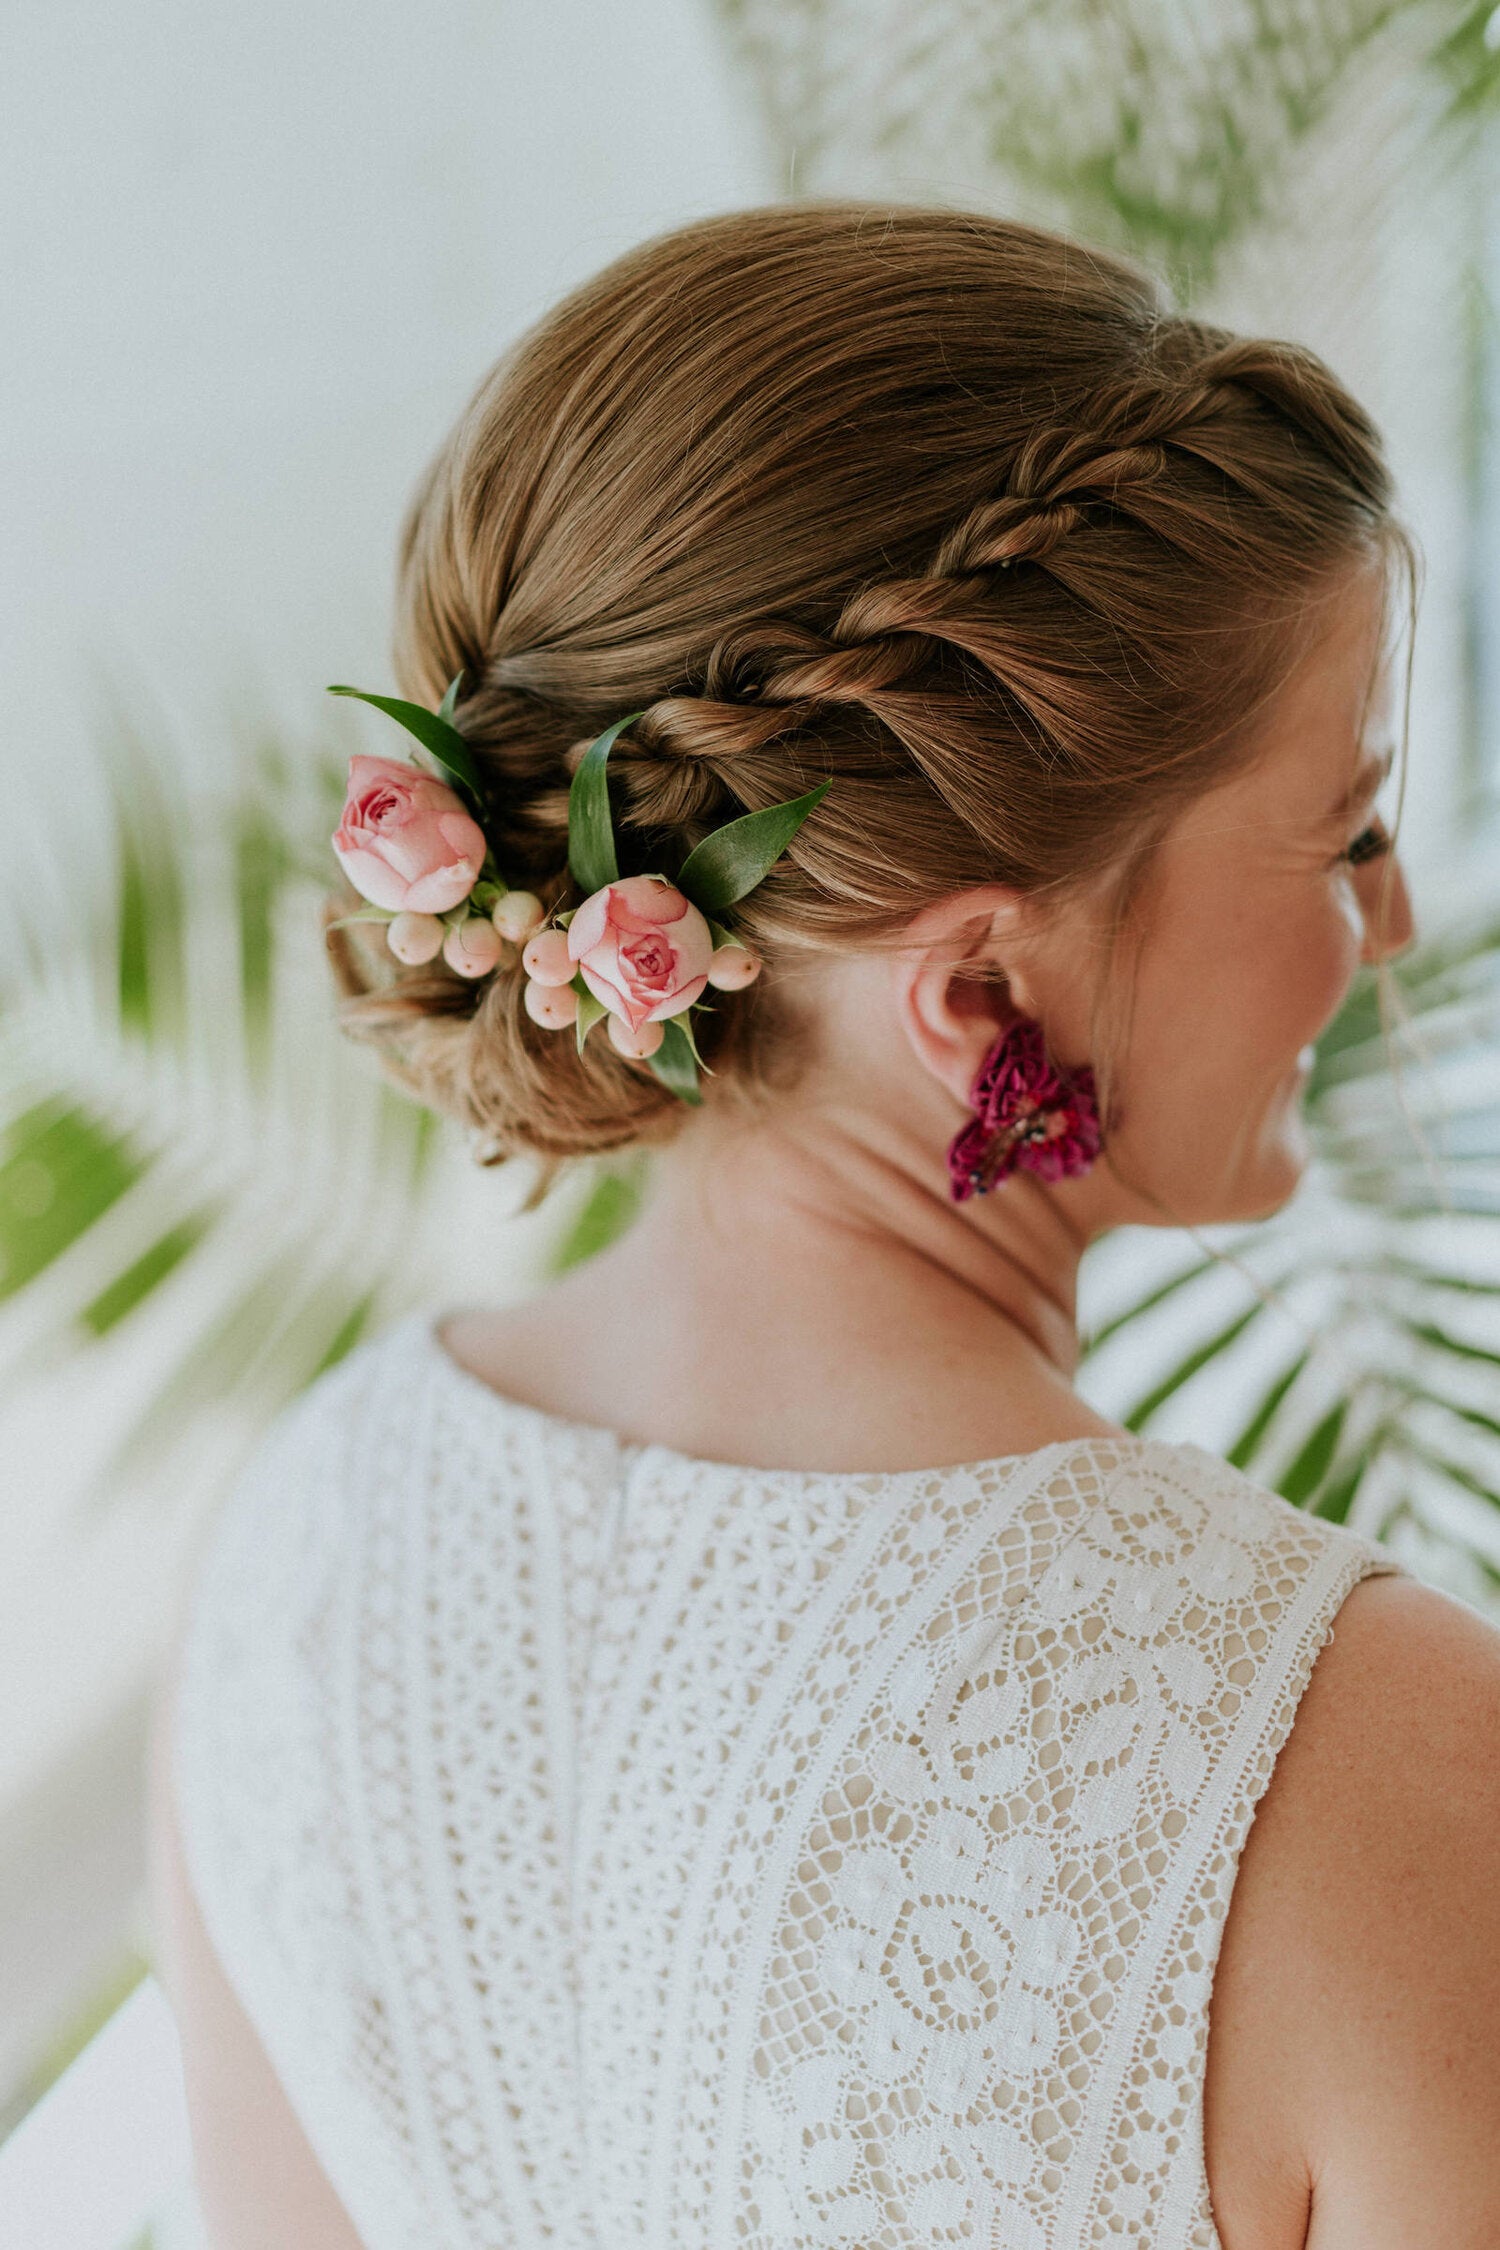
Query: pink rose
x=405, y=841
x=642, y=948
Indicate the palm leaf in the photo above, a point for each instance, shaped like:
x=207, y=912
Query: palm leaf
x=194, y=1168
x=1163, y=130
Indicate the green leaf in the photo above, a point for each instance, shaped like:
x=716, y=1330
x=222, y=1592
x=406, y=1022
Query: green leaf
x=60, y=1171
x=1247, y=1444
x=1307, y=1470
x=449, y=704
x=720, y=935
x=1140, y=1305
x=349, y=1330
x=675, y=1063
x=1337, y=1497
x=1200, y=1356
x=1469, y=1414
x=262, y=864
x=685, y=1020
x=1428, y=1332
x=150, y=935
x=730, y=862
x=130, y=1288
x=612, y=1203
x=590, y=1009
x=433, y=731
x=592, y=861
x=1459, y=1476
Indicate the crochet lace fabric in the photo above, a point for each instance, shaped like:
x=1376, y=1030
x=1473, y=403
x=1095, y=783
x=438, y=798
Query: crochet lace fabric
x=613, y=1847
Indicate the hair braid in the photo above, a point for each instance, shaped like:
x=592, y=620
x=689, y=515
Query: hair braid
x=767, y=678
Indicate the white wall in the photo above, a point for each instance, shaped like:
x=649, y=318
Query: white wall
x=252, y=260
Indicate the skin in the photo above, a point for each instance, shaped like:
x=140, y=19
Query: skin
x=1353, y=2084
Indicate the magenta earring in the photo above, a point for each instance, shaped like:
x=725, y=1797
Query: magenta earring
x=1028, y=1116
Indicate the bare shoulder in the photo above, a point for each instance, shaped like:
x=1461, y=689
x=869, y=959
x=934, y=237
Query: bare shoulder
x=1353, y=2087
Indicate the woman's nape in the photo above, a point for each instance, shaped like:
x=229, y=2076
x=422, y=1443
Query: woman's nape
x=800, y=1291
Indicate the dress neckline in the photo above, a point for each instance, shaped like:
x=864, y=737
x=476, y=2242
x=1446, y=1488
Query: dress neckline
x=465, y=1384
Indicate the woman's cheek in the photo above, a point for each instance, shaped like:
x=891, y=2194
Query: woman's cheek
x=1342, y=948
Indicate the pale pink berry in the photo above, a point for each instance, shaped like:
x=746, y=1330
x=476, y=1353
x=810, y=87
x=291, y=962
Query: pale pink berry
x=547, y=960
x=415, y=938
x=517, y=915
x=554, y=1005
x=472, y=949
x=637, y=1044
x=733, y=966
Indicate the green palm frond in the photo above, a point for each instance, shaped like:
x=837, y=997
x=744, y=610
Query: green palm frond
x=1469, y=60
x=1160, y=129
x=185, y=1141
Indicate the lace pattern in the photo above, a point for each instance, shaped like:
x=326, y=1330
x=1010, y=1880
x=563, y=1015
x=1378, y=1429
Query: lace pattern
x=614, y=1847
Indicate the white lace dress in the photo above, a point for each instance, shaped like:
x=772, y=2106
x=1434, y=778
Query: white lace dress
x=614, y=1847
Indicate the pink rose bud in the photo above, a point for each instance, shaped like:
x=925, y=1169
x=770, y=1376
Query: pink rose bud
x=732, y=967
x=546, y=958
x=636, y=1044
x=642, y=948
x=517, y=915
x=415, y=938
x=553, y=1005
x=472, y=949
x=405, y=841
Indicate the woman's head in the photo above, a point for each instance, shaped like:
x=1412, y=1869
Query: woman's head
x=944, y=507
x=1246, y=923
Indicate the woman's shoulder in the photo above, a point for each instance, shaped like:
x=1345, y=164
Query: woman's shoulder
x=1165, y=1523
x=1358, y=1988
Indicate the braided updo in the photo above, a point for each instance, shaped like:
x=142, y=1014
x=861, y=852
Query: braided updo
x=946, y=507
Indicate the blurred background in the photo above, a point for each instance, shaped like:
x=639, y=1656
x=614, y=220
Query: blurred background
x=253, y=261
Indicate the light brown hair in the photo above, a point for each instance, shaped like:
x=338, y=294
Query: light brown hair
x=954, y=510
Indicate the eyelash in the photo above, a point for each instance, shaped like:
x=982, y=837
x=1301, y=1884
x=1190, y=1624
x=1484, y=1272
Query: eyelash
x=1371, y=843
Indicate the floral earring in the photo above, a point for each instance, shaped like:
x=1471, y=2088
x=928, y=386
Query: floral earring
x=1028, y=1116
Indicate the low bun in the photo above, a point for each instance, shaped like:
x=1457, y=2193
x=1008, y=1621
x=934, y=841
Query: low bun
x=472, y=1052
x=933, y=506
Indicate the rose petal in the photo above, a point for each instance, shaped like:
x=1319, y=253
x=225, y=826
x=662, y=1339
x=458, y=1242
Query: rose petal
x=675, y=1002
x=589, y=923
x=442, y=888
x=373, y=877
x=618, y=1002
x=646, y=902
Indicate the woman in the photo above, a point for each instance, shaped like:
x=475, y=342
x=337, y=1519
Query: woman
x=735, y=1751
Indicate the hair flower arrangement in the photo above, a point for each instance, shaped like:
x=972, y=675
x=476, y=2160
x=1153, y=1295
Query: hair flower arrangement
x=640, y=949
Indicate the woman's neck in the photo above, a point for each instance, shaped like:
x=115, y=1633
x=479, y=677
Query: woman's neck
x=803, y=1294
x=851, y=1192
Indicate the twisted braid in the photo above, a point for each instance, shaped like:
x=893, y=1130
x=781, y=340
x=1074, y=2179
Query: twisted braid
x=897, y=649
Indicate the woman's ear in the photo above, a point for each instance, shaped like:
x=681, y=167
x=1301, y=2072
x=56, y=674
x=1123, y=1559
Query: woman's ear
x=959, y=980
